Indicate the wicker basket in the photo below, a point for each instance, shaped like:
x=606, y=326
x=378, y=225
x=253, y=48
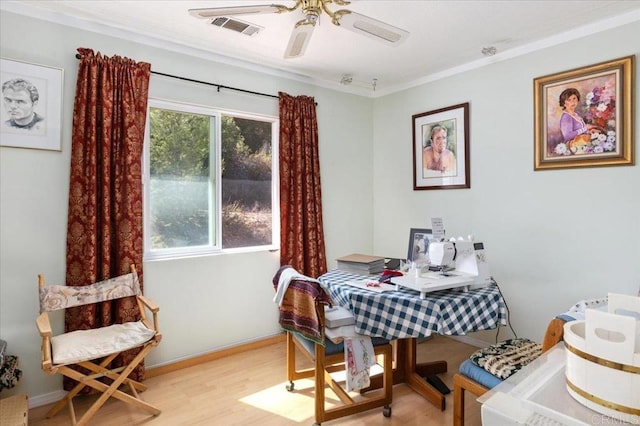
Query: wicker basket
x=14, y=410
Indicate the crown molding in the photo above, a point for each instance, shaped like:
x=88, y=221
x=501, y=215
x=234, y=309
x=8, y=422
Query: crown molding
x=26, y=9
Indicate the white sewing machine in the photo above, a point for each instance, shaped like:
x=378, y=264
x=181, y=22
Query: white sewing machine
x=467, y=258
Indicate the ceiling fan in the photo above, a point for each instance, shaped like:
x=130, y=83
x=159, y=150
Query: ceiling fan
x=312, y=10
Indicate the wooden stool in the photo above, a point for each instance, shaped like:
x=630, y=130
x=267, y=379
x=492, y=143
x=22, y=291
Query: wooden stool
x=462, y=383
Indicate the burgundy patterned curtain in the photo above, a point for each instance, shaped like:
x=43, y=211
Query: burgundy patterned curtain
x=301, y=232
x=104, y=230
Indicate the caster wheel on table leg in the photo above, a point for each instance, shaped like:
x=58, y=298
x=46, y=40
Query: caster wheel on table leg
x=386, y=411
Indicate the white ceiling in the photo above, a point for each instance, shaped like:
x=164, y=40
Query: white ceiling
x=446, y=36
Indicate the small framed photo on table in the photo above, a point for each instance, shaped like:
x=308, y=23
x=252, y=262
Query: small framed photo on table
x=32, y=105
x=419, y=240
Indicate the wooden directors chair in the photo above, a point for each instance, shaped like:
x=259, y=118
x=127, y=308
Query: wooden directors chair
x=302, y=316
x=95, y=349
x=485, y=381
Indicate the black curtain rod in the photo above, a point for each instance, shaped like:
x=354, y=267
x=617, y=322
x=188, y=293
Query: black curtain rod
x=218, y=86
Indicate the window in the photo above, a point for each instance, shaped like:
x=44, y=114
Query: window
x=209, y=182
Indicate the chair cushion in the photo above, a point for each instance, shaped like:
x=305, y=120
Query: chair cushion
x=84, y=345
x=477, y=374
x=506, y=358
x=331, y=348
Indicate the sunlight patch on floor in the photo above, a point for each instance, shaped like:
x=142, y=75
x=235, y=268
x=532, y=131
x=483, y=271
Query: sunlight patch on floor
x=297, y=405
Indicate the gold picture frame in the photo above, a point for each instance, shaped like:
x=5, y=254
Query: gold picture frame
x=584, y=117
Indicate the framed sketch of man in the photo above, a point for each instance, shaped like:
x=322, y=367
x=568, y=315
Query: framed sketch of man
x=31, y=105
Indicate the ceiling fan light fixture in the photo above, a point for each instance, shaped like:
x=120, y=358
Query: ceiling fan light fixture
x=311, y=19
x=311, y=9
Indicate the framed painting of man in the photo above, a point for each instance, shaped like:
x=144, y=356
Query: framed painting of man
x=441, y=148
x=32, y=105
x=583, y=117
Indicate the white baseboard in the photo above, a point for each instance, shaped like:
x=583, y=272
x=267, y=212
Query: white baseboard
x=241, y=343
x=478, y=343
x=47, y=398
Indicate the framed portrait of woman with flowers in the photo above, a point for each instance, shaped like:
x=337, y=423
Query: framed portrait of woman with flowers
x=583, y=117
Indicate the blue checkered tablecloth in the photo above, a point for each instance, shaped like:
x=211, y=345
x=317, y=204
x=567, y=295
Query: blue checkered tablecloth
x=402, y=314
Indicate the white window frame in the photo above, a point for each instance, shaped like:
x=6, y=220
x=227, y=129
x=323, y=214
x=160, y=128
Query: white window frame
x=215, y=178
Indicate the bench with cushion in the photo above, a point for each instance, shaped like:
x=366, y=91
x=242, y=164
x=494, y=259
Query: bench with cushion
x=477, y=380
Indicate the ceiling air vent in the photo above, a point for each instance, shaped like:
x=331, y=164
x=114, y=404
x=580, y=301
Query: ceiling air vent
x=236, y=25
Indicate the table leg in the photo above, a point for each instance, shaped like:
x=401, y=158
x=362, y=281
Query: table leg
x=410, y=372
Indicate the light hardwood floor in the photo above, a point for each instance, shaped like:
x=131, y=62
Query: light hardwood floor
x=249, y=389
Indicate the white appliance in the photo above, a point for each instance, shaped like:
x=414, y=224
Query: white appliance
x=467, y=257
x=537, y=395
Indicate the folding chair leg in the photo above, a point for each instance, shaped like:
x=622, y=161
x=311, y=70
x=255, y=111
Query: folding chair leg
x=113, y=391
x=72, y=412
x=133, y=390
x=112, y=374
x=64, y=401
x=107, y=391
x=76, y=389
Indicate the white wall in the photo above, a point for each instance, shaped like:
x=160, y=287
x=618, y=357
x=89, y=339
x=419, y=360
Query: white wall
x=552, y=237
x=207, y=303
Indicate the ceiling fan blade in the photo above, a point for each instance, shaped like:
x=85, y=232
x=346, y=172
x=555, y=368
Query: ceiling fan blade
x=213, y=12
x=370, y=27
x=299, y=39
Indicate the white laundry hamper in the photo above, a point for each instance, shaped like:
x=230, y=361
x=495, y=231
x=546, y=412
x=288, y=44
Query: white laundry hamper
x=603, y=359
